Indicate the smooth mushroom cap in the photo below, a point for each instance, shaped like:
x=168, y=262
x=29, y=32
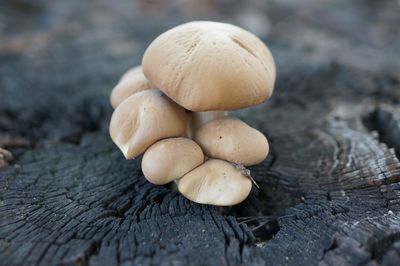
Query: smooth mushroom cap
x=144, y=118
x=215, y=182
x=170, y=159
x=231, y=139
x=130, y=83
x=207, y=66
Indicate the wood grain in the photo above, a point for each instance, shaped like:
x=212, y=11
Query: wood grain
x=329, y=190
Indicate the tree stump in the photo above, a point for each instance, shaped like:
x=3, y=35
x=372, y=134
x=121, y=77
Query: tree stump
x=329, y=189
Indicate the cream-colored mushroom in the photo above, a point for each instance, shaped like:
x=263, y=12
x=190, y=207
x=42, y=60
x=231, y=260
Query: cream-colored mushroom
x=231, y=139
x=131, y=82
x=206, y=66
x=144, y=118
x=216, y=182
x=170, y=159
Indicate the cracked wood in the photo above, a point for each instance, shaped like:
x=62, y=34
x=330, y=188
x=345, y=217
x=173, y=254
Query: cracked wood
x=329, y=189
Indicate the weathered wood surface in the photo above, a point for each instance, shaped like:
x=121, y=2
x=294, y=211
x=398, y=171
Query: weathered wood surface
x=330, y=189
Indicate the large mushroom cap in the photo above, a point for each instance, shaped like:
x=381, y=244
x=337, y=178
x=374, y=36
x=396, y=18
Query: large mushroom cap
x=215, y=182
x=143, y=119
x=207, y=66
x=231, y=139
x=170, y=159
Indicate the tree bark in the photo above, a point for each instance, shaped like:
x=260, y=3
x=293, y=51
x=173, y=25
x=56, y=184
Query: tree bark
x=329, y=189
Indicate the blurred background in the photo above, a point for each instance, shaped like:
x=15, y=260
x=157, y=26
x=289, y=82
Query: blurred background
x=60, y=59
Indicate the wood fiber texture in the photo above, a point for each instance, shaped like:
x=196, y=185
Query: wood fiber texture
x=329, y=190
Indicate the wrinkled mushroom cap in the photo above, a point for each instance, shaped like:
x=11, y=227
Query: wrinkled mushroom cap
x=144, y=118
x=215, y=182
x=207, y=66
x=130, y=83
x=231, y=139
x=170, y=159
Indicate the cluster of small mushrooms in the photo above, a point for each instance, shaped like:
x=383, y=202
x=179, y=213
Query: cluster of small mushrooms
x=174, y=107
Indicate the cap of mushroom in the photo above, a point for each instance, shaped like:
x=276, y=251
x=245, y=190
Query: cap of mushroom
x=170, y=159
x=144, y=118
x=230, y=139
x=130, y=83
x=215, y=182
x=207, y=68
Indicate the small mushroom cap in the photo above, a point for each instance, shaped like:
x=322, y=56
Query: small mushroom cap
x=130, y=83
x=144, y=118
x=170, y=159
x=231, y=139
x=206, y=66
x=215, y=182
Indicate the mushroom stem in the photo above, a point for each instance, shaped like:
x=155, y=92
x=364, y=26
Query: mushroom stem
x=197, y=119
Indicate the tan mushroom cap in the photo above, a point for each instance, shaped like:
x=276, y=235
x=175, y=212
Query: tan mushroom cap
x=130, y=83
x=170, y=159
x=215, y=182
x=207, y=66
x=231, y=139
x=144, y=118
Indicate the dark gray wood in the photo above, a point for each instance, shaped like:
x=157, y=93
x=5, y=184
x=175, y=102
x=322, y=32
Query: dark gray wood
x=329, y=190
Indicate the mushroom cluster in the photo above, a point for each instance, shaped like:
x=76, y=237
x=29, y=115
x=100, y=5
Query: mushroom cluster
x=173, y=110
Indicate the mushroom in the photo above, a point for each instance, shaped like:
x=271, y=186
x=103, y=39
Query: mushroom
x=207, y=66
x=130, y=83
x=216, y=182
x=170, y=159
x=143, y=119
x=231, y=139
